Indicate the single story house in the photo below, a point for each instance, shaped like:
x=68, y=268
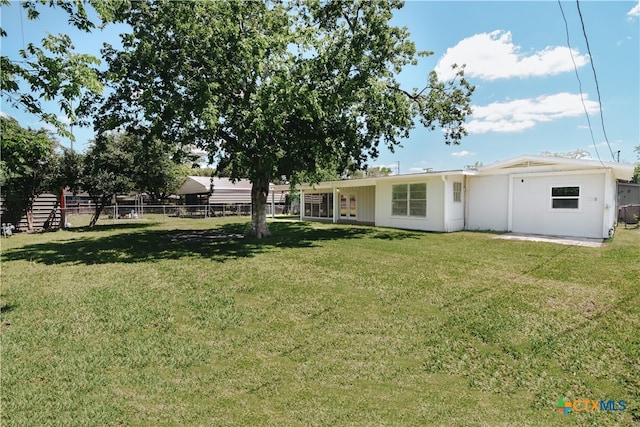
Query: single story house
x=207, y=190
x=525, y=194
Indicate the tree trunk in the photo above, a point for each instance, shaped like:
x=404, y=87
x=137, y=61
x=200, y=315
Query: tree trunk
x=98, y=211
x=259, y=193
x=50, y=222
x=29, y=215
x=63, y=209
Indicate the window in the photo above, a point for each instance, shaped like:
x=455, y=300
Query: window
x=457, y=191
x=399, y=198
x=318, y=205
x=565, y=197
x=409, y=200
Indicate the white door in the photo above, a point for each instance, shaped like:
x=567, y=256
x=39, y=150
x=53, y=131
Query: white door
x=348, y=206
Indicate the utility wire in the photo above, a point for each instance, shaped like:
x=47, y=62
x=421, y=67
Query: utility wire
x=595, y=77
x=22, y=28
x=575, y=68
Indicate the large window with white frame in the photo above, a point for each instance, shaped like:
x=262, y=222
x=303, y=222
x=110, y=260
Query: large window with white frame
x=565, y=197
x=318, y=205
x=409, y=200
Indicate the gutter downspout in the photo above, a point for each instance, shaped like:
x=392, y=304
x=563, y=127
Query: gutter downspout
x=445, y=205
x=336, y=204
x=510, y=205
x=465, y=211
x=301, y=203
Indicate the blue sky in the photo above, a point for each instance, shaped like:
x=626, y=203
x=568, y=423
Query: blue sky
x=527, y=97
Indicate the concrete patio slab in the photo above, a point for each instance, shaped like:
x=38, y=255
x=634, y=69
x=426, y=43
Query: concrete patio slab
x=574, y=241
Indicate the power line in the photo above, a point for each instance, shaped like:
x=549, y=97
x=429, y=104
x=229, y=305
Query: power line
x=575, y=68
x=22, y=28
x=595, y=77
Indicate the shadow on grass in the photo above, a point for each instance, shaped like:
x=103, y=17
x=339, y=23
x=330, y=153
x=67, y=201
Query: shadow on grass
x=114, y=226
x=220, y=243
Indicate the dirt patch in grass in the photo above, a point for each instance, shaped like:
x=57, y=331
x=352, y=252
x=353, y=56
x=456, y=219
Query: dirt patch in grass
x=203, y=236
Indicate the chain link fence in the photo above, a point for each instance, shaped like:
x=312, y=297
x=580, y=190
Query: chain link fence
x=50, y=216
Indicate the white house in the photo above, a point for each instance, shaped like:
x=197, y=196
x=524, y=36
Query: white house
x=525, y=194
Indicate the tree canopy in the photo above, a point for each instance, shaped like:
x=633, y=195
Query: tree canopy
x=107, y=170
x=27, y=168
x=575, y=154
x=52, y=71
x=274, y=88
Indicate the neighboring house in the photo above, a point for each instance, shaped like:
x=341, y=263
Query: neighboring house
x=525, y=194
x=221, y=195
x=206, y=190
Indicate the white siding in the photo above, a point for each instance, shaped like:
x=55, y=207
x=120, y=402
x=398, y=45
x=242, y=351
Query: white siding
x=366, y=204
x=488, y=202
x=454, y=211
x=435, y=208
x=532, y=211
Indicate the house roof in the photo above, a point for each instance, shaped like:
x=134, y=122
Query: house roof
x=202, y=185
x=531, y=163
x=520, y=164
x=364, y=182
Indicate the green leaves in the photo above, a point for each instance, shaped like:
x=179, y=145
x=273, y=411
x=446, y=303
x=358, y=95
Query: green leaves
x=27, y=167
x=275, y=88
x=51, y=72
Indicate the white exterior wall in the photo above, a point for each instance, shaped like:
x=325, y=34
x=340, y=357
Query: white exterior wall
x=435, y=208
x=610, y=217
x=487, y=202
x=532, y=210
x=453, y=211
x=365, y=204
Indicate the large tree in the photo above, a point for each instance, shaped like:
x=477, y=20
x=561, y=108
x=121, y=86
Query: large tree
x=273, y=88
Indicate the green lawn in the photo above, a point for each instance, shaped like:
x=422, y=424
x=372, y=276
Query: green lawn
x=183, y=322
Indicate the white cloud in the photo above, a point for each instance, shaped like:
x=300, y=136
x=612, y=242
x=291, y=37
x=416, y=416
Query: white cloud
x=48, y=126
x=3, y=114
x=463, y=153
x=492, y=56
x=64, y=119
x=522, y=114
x=602, y=144
x=635, y=11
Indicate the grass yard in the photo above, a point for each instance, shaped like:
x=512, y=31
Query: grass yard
x=183, y=322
